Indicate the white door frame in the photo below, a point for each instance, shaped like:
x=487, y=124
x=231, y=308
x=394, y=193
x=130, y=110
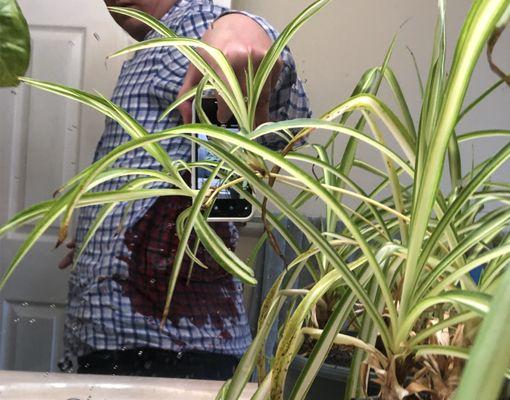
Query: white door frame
x=45, y=140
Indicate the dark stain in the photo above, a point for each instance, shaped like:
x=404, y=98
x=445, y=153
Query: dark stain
x=153, y=242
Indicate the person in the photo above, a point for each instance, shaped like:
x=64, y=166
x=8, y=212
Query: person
x=117, y=290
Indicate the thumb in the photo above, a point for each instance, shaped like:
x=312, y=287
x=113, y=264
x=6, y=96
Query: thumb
x=191, y=79
x=186, y=112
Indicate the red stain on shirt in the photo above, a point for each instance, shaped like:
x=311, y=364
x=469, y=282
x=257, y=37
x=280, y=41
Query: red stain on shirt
x=201, y=295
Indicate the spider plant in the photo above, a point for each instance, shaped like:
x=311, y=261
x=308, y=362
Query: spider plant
x=403, y=257
x=406, y=257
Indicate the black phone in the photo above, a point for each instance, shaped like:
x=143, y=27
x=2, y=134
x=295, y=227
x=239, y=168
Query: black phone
x=229, y=205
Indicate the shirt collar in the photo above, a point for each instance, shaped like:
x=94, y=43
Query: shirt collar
x=172, y=16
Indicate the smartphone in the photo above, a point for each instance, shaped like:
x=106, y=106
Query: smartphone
x=229, y=205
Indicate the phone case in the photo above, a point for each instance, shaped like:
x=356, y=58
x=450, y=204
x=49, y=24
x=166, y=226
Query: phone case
x=230, y=218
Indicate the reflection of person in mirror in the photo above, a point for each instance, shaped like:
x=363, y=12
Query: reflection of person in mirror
x=118, y=288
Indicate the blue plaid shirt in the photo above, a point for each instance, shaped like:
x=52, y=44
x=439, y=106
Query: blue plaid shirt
x=100, y=316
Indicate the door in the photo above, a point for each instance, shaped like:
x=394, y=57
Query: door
x=44, y=141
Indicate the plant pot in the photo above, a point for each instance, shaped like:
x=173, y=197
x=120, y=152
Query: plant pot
x=330, y=382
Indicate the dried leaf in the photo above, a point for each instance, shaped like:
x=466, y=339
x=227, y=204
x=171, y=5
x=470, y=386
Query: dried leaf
x=492, y=43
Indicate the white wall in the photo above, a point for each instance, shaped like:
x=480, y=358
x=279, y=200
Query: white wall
x=348, y=37
x=225, y=3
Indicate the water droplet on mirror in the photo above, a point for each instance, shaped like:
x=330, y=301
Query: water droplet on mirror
x=179, y=355
x=140, y=353
x=25, y=304
x=53, y=305
x=31, y=321
x=16, y=320
x=115, y=367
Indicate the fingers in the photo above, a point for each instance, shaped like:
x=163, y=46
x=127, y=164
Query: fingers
x=262, y=112
x=239, y=62
x=191, y=79
x=69, y=258
x=224, y=113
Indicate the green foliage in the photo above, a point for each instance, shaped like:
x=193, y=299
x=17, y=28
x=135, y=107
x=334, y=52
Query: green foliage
x=398, y=269
x=490, y=357
x=14, y=43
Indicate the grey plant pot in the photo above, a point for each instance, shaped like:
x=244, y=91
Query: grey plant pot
x=330, y=382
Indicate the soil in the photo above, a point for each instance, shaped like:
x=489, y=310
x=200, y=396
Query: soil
x=339, y=355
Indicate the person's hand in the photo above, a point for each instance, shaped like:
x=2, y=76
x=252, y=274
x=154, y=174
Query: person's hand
x=68, y=259
x=239, y=37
